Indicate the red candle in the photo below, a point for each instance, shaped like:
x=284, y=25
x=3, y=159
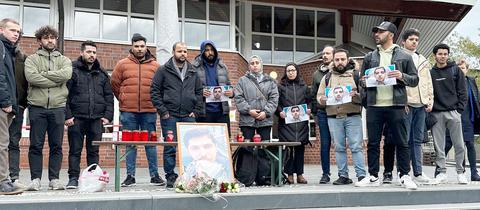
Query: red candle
x=126, y=135
x=136, y=135
x=153, y=136
x=144, y=135
x=257, y=138
x=170, y=136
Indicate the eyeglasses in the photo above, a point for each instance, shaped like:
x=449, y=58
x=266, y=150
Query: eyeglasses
x=291, y=70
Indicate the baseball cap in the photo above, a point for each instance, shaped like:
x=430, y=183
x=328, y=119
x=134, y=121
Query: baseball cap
x=385, y=26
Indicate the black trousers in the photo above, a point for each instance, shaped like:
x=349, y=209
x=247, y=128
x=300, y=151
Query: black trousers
x=42, y=121
x=393, y=117
x=295, y=161
x=249, y=132
x=15, y=131
x=216, y=117
x=92, y=130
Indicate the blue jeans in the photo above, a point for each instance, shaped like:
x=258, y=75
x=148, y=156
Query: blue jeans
x=343, y=130
x=415, y=130
x=325, y=142
x=169, y=152
x=140, y=121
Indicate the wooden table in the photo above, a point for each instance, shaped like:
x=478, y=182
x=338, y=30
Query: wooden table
x=262, y=145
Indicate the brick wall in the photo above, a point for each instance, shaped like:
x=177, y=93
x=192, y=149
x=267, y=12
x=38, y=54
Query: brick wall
x=109, y=54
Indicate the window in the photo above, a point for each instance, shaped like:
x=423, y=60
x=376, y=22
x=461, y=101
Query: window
x=296, y=33
x=205, y=19
x=31, y=14
x=115, y=20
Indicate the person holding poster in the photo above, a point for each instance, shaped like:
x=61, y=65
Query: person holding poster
x=344, y=119
x=292, y=92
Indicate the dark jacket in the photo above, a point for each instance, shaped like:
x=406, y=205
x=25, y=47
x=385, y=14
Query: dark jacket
x=317, y=79
x=449, y=88
x=172, y=95
x=90, y=94
x=8, y=90
x=293, y=92
x=22, y=84
x=476, y=107
x=222, y=73
x=404, y=63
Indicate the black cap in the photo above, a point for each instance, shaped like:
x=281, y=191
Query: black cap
x=138, y=37
x=385, y=26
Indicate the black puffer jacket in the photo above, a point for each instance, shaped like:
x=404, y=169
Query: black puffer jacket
x=90, y=94
x=293, y=92
x=172, y=95
x=8, y=95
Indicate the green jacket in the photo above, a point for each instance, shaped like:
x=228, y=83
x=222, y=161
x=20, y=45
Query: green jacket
x=47, y=74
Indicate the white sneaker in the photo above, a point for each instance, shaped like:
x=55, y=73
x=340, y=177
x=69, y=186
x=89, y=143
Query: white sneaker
x=55, y=184
x=408, y=183
x=34, y=185
x=441, y=178
x=368, y=182
x=462, y=179
x=422, y=179
x=19, y=184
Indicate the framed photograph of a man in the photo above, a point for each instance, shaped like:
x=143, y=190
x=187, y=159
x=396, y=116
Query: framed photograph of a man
x=204, y=151
x=296, y=113
x=378, y=76
x=338, y=95
x=217, y=93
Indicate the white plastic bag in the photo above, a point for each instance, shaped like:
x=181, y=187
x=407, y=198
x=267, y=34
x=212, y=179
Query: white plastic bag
x=93, y=180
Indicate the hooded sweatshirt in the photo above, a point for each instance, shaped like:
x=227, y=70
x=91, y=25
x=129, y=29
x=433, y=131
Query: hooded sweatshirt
x=448, y=88
x=210, y=74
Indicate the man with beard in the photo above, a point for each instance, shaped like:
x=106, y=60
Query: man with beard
x=89, y=105
x=9, y=34
x=213, y=72
x=319, y=111
x=176, y=76
x=131, y=79
x=344, y=120
x=386, y=104
x=47, y=72
x=450, y=97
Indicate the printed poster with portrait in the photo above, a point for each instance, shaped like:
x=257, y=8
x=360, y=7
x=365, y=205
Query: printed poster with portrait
x=378, y=76
x=338, y=95
x=204, y=151
x=216, y=93
x=296, y=113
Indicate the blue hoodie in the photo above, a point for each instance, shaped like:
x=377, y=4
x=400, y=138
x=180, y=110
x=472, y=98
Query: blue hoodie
x=211, y=78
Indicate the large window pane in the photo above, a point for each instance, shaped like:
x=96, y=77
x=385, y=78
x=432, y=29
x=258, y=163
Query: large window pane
x=262, y=46
x=305, y=22
x=261, y=18
x=195, y=33
x=220, y=10
x=115, y=5
x=179, y=7
x=220, y=34
x=326, y=24
x=304, y=48
x=34, y=18
x=115, y=27
x=322, y=43
x=196, y=9
x=143, y=6
x=91, y=4
x=143, y=26
x=9, y=11
x=38, y=1
x=283, y=52
x=283, y=20
x=87, y=25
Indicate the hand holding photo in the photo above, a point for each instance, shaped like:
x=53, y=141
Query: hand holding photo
x=378, y=76
x=217, y=93
x=338, y=95
x=296, y=113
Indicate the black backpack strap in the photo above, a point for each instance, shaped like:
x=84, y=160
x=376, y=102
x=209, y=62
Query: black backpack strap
x=327, y=78
x=356, y=77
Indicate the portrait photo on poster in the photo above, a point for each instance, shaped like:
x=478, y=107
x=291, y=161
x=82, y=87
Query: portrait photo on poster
x=338, y=95
x=378, y=76
x=217, y=93
x=296, y=113
x=204, y=151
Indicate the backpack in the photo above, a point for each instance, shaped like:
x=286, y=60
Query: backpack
x=356, y=77
x=245, y=165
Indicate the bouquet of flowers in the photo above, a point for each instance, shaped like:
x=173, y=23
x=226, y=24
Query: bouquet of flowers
x=229, y=187
x=203, y=185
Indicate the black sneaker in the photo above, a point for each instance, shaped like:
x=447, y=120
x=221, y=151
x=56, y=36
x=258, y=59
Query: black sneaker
x=475, y=177
x=8, y=188
x=437, y=171
x=342, y=181
x=325, y=179
x=129, y=181
x=72, y=183
x=387, y=178
x=171, y=180
x=360, y=178
x=156, y=180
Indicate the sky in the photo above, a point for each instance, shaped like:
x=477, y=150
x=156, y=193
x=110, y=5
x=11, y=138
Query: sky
x=470, y=26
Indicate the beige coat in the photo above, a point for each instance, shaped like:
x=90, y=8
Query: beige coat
x=423, y=93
